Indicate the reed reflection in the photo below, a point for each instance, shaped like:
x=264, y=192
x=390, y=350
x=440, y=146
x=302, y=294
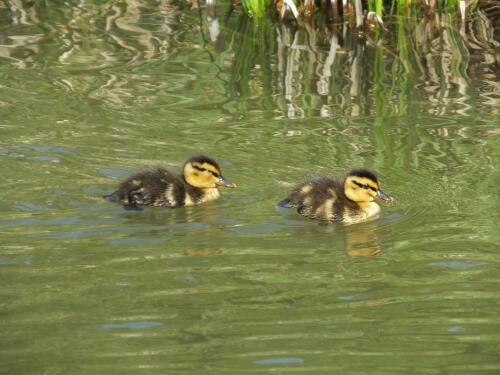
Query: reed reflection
x=315, y=68
x=320, y=70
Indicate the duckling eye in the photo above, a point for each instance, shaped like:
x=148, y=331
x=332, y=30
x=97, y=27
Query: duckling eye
x=201, y=169
x=364, y=186
x=205, y=170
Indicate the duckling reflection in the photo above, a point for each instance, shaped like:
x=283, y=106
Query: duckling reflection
x=201, y=176
x=362, y=240
x=349, y=200
x=190, y=226
x=358, y=240
x=187, y=217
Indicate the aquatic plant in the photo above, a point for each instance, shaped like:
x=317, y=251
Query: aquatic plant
x=324, y=69
x=359, y=11
x=262, y=65
x=256, y=7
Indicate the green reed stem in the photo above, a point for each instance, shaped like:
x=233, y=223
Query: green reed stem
x=378, y=7
x=256, y=8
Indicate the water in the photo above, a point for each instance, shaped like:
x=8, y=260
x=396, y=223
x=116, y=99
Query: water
x=90, y=93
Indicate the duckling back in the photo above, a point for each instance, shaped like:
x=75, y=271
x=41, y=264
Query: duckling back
x=155, y=187
x=197, y=183
x=321, y=198
x=349, y=200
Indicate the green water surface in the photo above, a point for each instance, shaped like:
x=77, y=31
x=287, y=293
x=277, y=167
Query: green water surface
x=92, y=91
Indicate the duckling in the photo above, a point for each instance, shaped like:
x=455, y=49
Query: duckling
x=349, y=200
x=198, y=182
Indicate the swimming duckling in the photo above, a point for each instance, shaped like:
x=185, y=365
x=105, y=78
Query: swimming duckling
x=159, y=187
x=349, y=200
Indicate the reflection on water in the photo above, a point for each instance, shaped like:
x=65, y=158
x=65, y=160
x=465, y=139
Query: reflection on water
x=329, y=72
x=362, y=241
x=131, y=325
x=292, y=72
x=91, y=91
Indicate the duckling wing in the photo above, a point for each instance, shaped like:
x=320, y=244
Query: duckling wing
x=315, y=199
x=297, y=197
x=154, y=187
x=319, y=199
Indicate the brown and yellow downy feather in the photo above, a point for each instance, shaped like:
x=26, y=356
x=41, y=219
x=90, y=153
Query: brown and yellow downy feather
x=349, y=200
x=198, y=183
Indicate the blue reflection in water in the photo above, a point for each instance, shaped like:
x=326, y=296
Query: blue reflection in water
x=57, y=149
x=94, y=190
x=53, y=159
x=458, y=265
x=125, y=241
x=126, y=155
x=27, y=206
x=112, y=172
x=353, y=297
x=272, y=361
x=131, y=325
x=7, y=261
x=25, y=260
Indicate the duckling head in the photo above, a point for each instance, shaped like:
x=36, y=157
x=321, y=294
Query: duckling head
x=362, y=185
x=203, y=172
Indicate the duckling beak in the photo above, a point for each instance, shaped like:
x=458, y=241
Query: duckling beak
x=226, y=183
x=384, y=196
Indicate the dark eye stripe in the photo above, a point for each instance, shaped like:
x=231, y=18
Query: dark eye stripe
x=364, y=186
x=359, y=184
x=205, y=170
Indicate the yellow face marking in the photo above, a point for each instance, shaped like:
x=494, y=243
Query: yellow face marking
x=358, y=193
x=367, y=181
x=207, y=166
x=199, y=178
x=211, y=168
